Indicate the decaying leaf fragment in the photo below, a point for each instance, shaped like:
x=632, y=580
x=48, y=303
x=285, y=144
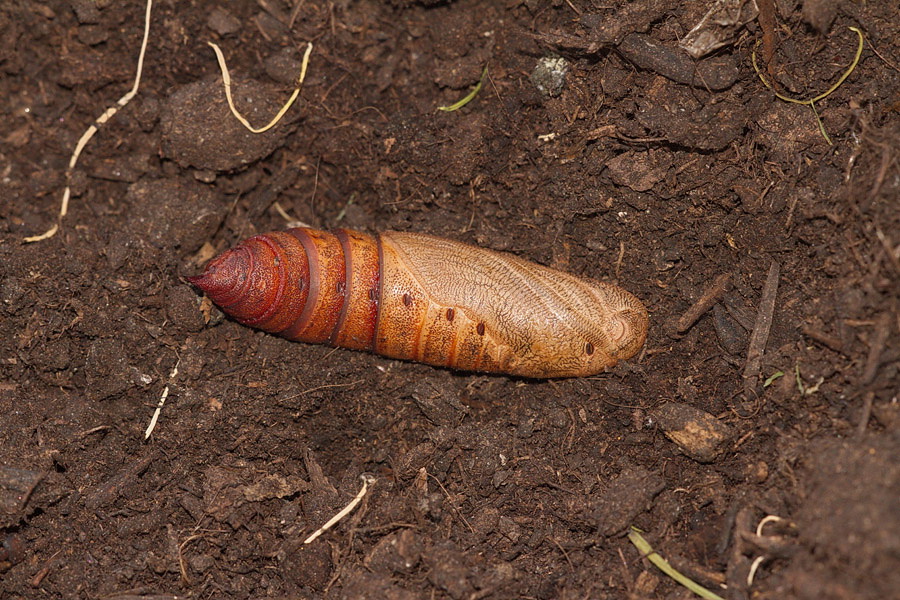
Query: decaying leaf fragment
x=719, y=27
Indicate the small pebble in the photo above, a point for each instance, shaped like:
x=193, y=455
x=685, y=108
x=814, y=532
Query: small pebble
x=697, y=433
x=549, y=76
x=223, y=22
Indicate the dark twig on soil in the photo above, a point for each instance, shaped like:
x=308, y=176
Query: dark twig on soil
x=888, y=245
x=887, y=156
x=767, y=24
x=876, y=347
x=738, y=563
x=886, y=61
x=866, y=413
x=316, y=475
x=452, y=503
x=115, y=485
x=710, y=296
x=295, y=12
x=761, y=329
x=823, y=338
x=697, y=572
x=45, y=570
x=773, y=546
x=740, y=313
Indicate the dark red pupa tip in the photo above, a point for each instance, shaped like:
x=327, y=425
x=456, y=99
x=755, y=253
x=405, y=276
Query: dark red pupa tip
x=224, y=277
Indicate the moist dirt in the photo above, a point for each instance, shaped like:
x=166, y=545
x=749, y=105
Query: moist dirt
x=769, y=260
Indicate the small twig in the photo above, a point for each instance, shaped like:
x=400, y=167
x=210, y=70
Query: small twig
x=876, y=346
x=295, y=12
x=452, y=503
x=886, y=243
x=823, y=338
x=226, y=79
x=182, y=562
x=710, y=296
x=761, y=329
x=92, y=430
x=110, y=489
x=577, y=10
x=89, y=133
x=45, y=570
x=738, y=563
x=367, y=480
x=800, y=387
x=700, y=574
x=886, y=61
x=663, y=565
x=324, y=387
x=887, y=157
x=766, y=20
x=619, y=260
x=866, y=413
x=565, y=555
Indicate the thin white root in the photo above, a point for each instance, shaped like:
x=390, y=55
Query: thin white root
x=226, y=79
x=89, y=133
x=161, y=403
x=767, y=519
x=759, y=560
x=367, y=481
x=753, y=568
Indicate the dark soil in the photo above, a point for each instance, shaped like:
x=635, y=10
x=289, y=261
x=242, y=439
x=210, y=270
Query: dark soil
x=637, y=165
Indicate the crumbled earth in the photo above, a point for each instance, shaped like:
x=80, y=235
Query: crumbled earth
x=633, y=163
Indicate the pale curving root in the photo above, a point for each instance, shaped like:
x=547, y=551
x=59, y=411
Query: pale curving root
x=226, y=79
x=367, y=481
x=82, y=142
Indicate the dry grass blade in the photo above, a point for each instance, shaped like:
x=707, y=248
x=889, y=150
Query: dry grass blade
x=663, y=565
x=811, y=102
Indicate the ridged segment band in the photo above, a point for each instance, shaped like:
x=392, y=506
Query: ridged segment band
x=341, y=285
x=327, y=287
x=355, y=327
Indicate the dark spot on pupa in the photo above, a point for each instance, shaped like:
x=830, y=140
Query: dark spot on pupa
x=480, y=329
x=407, y=300
x=450, y=314
x=589, y=348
